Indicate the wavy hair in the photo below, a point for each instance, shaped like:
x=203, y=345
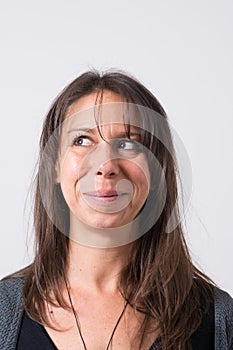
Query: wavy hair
x=160, y=279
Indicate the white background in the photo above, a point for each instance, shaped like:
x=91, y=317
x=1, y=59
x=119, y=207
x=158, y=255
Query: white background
x=181, y=50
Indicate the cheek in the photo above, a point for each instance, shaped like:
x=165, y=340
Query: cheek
x=142, y=183
x=69, y=176
x=70, y=168
x=138, y=173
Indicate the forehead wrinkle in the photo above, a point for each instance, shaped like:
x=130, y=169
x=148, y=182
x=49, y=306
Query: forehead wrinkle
x=116, y=130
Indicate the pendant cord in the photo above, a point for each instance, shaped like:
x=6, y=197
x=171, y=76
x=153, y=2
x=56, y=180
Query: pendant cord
x=77, y=323
x=75, y=315
x=117, y=323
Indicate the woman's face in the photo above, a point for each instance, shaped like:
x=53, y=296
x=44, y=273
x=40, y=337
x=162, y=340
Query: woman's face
x=104, y=180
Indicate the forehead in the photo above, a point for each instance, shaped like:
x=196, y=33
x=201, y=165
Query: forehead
x=88, y=101
x=87, y=112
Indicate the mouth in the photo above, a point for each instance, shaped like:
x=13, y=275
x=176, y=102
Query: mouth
x=105, y=196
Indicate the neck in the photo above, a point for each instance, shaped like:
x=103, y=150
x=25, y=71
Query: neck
x=103, y=237
x=96, y=269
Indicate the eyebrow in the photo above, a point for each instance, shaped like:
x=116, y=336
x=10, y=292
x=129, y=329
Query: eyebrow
x=91, y=131
x=81, y=130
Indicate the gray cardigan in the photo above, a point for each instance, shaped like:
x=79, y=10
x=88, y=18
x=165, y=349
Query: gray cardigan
x=11, y=311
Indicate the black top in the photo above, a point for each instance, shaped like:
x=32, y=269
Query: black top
x=34, y=336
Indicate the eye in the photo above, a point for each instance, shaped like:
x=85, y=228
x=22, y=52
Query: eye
x=83, y=141
x=128, y=145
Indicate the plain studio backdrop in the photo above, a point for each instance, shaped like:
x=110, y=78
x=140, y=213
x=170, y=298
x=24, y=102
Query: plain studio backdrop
x=181, y=50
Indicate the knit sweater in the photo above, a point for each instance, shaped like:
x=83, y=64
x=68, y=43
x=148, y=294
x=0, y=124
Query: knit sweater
x=11, y=311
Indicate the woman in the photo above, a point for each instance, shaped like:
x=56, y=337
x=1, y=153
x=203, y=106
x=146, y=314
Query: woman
x=106, y=273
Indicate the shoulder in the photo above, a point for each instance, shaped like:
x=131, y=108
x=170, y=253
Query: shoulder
x=223, y=319
x=11, y=288
x=10, y=295
x=221, y=294
x=11, y=310
x=223, y=303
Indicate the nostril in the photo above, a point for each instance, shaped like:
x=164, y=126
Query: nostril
x=112, y=173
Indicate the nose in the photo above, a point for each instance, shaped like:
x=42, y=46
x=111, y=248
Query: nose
x=108, y=169
x=108, y=165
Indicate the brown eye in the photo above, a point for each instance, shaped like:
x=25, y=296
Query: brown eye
x=83, y=141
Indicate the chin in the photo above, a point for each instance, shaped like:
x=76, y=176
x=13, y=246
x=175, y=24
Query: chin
x=104, y=224
x=106, y=221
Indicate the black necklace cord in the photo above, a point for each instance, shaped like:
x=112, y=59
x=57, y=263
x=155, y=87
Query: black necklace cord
x=77, y=323
x=117, y=323
x=75, y=315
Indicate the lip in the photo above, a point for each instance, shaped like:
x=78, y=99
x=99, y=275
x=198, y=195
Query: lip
x=116, y=200
x=105, y=196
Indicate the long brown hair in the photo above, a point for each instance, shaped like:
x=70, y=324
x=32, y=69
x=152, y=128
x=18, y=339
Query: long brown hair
x=160, y=278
